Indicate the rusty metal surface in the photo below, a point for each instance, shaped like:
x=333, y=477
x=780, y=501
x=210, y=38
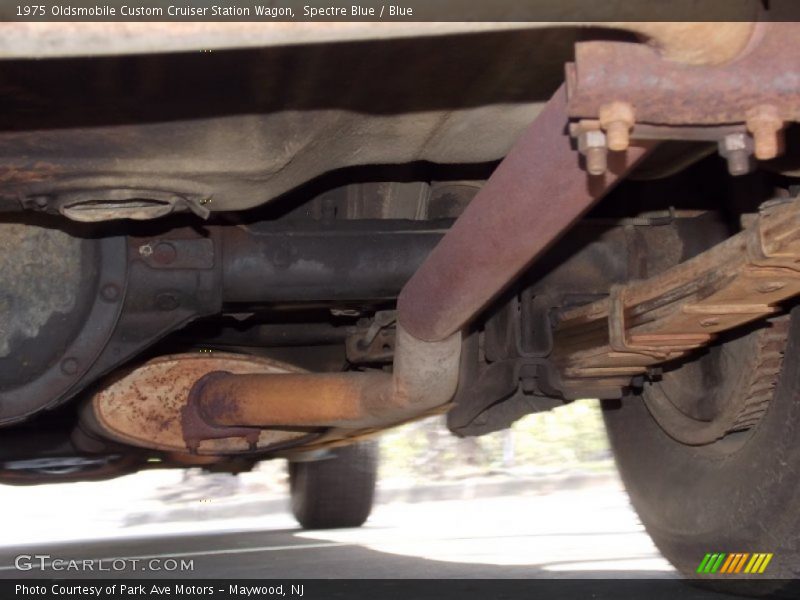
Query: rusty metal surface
x=663, y=92
x=373, y=340
x=347, y=260
x=45, y=370
x=425, y=378
x=696, y=43
x=143, y=408
x=303, y=399
x=236, y=129
x=243, y=127
x=667, y=316
x=363, y=349
x=40, y=275
x=533, y=196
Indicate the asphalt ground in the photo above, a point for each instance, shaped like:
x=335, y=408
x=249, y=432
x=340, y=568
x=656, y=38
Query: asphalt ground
x=581, y=535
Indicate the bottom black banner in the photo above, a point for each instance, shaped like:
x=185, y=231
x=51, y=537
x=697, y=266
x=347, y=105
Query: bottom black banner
x=391, y=589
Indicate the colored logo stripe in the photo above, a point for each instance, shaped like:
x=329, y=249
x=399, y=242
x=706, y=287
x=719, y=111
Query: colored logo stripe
x=703, y=564
x=729, y=562
x=711, y=563
x=758, y=564
x=721, y=562
x=737, y=563
x=741, y=563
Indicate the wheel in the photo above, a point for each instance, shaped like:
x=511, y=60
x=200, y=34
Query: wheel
x=336, y=491
x=710, y=455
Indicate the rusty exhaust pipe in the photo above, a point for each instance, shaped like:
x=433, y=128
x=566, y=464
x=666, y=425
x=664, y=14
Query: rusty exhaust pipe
x=510, y=222
x=425, y=376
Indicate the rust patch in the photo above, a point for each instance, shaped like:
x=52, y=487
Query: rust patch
x=144, y=407
x=533, y=196
x=34, y=173
x=40, y=275
x=651, y=321
x=195, y=421
x=663, y=92
x=308, y=400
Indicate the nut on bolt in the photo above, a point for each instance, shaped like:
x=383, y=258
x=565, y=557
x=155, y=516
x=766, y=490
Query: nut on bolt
x=617, y=119
x=766, y=125
x=592, y=144
x=737, y=148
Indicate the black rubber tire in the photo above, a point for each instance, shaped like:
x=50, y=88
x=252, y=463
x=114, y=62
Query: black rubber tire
x=337, y=491
x=739, y=494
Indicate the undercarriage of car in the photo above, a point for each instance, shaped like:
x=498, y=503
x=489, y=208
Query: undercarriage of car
x=215, y=258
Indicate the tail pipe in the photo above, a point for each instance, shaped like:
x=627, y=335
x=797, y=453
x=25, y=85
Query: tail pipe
x=534, y=195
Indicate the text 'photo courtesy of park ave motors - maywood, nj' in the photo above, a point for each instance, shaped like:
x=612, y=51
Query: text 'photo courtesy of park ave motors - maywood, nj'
x=158, y=589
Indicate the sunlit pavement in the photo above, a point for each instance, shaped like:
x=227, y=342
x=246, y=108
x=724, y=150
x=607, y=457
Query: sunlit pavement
x=590, y=532
x=585, y=531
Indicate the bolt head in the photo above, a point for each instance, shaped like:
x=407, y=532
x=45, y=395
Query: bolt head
x=164, y=253
x=735, y=141
x=167, y=301
x=591, y=139
x=69, y=366
x=110, y=292
x=592, y=144
x=737, y=148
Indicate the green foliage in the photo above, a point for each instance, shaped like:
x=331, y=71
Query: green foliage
x=569, y=437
